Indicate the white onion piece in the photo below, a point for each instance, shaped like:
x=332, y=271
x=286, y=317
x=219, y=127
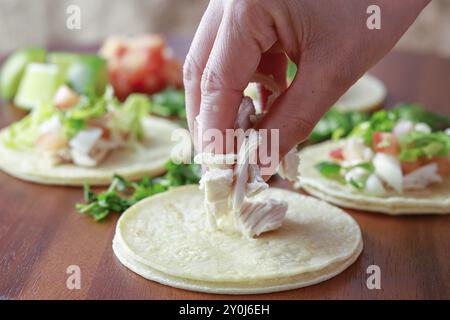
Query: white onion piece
x=374, y=186
x=388, y=168
x=403, y=126
x=422, y=127
x=85, y=140
x=355, y=152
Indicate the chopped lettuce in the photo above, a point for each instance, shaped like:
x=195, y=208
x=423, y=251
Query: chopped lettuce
x=385, y=120
x=169, y=102
x=334, y=171
x=127, y=118
x=87, y=109
x=416, y=113
x=416, y=144
x=336, y=124
x=329, y=170
x=23, y=133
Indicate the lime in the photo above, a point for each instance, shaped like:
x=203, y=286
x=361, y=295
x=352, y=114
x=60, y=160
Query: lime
x=63, y=59
x=88, y=75
x=14, y=67
x=39, y=84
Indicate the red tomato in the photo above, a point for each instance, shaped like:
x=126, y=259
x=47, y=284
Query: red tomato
x=337, y=154
x=385, y=142
x=410, y=166
x=141, y=64
x=443, y=165
x=121, y=51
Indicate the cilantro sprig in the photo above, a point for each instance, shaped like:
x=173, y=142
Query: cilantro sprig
x=169, y=102
x=122, y=194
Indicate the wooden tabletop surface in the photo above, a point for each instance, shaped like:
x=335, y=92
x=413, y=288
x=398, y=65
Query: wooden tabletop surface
x=41, y=234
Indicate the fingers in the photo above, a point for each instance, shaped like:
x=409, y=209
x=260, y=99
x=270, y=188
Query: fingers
x=233, y=60
x=197, y=58
x=299, y=108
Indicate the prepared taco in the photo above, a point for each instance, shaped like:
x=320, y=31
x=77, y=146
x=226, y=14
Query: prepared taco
x=75, y=139
x=397, y=162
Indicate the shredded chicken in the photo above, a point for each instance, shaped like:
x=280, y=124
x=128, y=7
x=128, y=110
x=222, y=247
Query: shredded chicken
x=231, y=181
x=422, y=177
x=288, y=168
x=229, y=191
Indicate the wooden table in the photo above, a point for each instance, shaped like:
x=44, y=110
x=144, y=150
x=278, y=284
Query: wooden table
x=41, y=234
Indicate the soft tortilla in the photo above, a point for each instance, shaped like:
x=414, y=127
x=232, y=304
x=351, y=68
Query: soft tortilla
x=146, y=158
x=164, y=239
x=367, y=94
x=435, y=199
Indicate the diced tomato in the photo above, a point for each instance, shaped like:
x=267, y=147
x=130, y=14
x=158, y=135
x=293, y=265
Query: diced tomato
x=141, y=64
x=337, y=154
x=442, y=162
x=443, y=165
x=385, y=142
x=121, y=51
x=100, y=124
x=410, y=166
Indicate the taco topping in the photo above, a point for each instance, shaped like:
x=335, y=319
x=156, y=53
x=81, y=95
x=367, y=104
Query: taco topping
x=393, y=150
x=77, y=129
x=231, y=181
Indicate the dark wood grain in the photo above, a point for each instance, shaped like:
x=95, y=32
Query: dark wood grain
x=41, y=234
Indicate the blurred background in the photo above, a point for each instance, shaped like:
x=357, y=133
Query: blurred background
x=43, y=22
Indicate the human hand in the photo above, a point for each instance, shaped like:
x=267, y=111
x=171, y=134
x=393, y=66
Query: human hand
x=328, y=40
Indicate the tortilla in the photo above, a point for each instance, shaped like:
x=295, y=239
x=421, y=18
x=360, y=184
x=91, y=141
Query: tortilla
x=133, y=162
x=367, y=94
x=433, y=200
x=165, y=239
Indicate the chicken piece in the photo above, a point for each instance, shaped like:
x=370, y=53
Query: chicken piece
x=230, y=181
x=422, y=177
x=255, y=183
x=246, y=155
x=257, y=217
x=215, y=211
x=88, y=149
x=217, y=184
x=216, y=161
x=288, y=168
x=85, y=140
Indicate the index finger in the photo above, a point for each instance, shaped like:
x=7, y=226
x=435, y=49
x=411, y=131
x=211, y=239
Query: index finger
x=233, y=61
